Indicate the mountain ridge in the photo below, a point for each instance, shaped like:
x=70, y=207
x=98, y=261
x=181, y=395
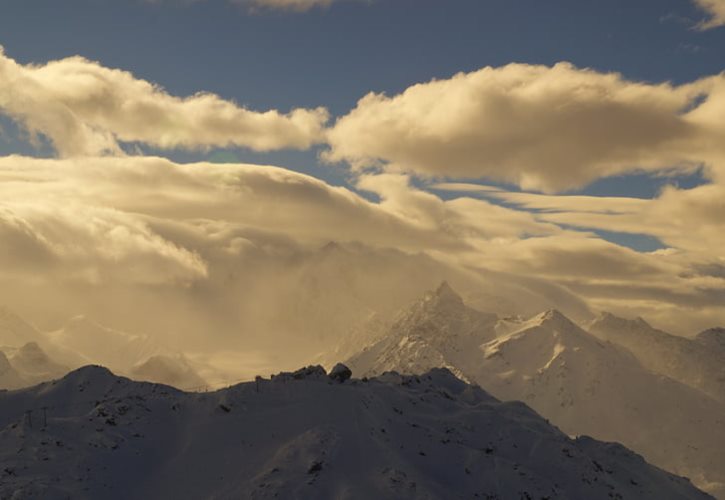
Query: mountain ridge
x=395, y=436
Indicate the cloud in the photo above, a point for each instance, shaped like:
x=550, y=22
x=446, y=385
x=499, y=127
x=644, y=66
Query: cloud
x=688, y=220
x=225, y=247
x=91, y=244
x=543, y=128
x=222, y=249
x=254, y=5
x=293, y=5
x=87, y=109
x=716, y=10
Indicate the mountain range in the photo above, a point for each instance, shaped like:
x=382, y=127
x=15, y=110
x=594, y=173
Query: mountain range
x=582, y=384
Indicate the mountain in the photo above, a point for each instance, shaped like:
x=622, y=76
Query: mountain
x=437, y=331
x=33, y=362
x=582, y=384
x=175, y=371
x=698, y=362
x=9, y=376
x=713, y=338
x=27, y=365
x=15, y=331
x=105, y=346
x=303, y=435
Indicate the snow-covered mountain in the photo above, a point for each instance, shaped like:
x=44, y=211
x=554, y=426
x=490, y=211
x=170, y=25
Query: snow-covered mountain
x=303, y=435
x=698, y=362
x=582, y=384
x=439, y=330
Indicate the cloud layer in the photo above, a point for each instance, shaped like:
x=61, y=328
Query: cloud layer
x=204, y=233
x=544, y=128
x=87, y=109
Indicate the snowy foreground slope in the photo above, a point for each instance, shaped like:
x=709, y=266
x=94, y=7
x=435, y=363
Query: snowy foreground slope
x=303, y=435
x=581, y=383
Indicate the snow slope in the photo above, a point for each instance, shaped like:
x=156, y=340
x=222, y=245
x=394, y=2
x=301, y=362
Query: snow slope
x=583, y=385
x=301, y=436
x=698, y=362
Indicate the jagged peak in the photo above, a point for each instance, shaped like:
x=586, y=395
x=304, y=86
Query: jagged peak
x=445, y=289
x=444, y=293
x=552, y=315
x=609, y=319
x=555, y=318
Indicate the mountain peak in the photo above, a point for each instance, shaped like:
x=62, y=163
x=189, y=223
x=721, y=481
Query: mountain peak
x=712, y=336
x=609, y=321
x=445, y=290
x=556, y=319
x=552, y=315
x=88, y=373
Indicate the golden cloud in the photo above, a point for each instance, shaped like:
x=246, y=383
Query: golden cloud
x=543, y=128
x=87, y=109
x=716, y=10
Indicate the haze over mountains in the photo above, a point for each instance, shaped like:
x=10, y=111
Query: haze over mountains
x=697, y=362
x=29, y=356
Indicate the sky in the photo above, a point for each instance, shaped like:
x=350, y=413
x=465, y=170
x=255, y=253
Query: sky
x=176, y=154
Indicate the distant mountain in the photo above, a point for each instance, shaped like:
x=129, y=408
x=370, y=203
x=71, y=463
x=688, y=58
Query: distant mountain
x=9, y=376
x=103, y=345
x=698, y=362
x=35, y=364
x=714, y=338
x=582, y=384
x=437, y=331
x=15, y=331
x=27, y=365
x=173, y=370
x=303, y=435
